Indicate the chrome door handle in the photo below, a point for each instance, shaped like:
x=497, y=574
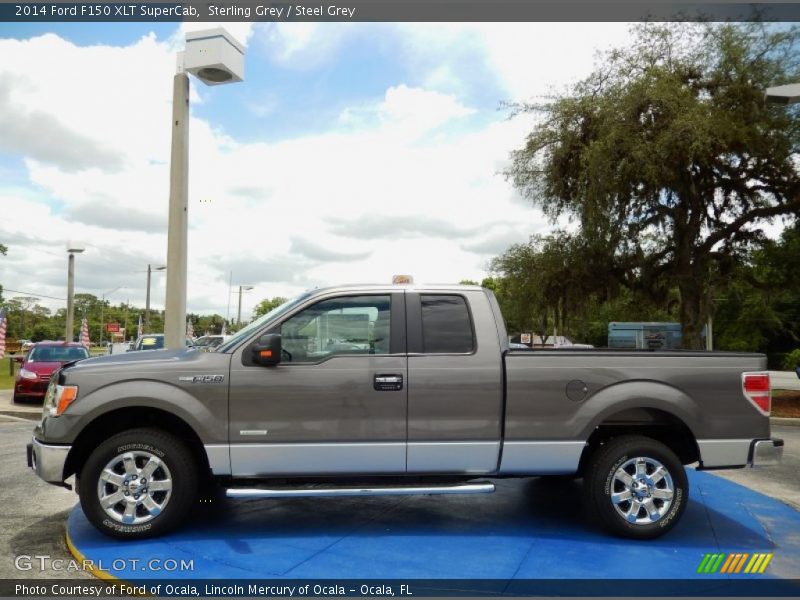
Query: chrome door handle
x=388, y=383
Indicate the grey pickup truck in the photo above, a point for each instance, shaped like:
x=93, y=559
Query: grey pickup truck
x=395, y=389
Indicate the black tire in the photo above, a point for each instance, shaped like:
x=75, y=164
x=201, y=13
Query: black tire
x=602, y=479
x=177, y=469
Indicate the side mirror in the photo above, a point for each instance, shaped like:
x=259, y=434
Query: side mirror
x=267, y=350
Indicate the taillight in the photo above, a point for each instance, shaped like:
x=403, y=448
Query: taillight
x=756, y=388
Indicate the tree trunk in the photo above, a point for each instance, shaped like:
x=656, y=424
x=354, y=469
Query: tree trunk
x=693, y=311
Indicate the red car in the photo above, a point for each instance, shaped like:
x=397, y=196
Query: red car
x=40, y=363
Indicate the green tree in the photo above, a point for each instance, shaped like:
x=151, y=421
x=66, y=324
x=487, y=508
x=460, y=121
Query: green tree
x=668, y=156
x=267, y=305
x=758, y=308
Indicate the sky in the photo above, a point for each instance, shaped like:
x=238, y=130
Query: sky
x=351, y=152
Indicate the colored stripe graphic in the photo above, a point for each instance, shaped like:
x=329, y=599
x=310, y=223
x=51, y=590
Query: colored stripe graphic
x=728, y=563
x=734, y=562
x=741, y=562
x=752, y=562
x=701, y=568
x=717, y=563
x=765, y=563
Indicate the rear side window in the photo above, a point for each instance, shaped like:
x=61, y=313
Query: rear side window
x=446, y=325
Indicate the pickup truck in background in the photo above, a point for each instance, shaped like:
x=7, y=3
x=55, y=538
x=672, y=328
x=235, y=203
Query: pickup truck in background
x=395, y=389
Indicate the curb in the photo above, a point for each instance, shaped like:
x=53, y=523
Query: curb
x=791, y=421
x=21, y=414
x=98, y=573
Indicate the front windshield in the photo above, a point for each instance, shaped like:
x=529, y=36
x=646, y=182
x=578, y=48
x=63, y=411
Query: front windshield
x=245, y=332
x=57, y=353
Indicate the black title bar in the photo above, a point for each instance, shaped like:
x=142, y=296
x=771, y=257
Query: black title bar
x=401, y=10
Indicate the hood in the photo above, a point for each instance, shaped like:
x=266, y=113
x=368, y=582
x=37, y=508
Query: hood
x=42, y=368
x=138, y=357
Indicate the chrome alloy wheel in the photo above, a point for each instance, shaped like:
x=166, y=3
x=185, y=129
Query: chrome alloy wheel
x=642, y=490
x=134, y=487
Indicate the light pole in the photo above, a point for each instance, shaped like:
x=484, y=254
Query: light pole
x=215, y=58
x=783, y=94
x=242, y=288
x=72, y=249
x=150, y=269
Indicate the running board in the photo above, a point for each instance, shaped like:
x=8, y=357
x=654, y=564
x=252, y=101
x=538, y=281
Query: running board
x=308, y=492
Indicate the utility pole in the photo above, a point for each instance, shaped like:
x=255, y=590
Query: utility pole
x=72, y=249
x=245, y=288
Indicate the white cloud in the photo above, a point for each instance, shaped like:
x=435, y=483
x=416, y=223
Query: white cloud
x=406, y=184
x=407, y=112
x=305, y=45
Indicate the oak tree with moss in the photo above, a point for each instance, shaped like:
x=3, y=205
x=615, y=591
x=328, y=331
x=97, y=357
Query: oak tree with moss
x=668, y=155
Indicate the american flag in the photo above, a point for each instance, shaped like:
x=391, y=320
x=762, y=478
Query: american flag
x=189, y=328
x=85, y=332
x=2, y=332
x=139, y=330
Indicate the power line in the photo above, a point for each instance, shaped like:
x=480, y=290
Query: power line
x=5, y=289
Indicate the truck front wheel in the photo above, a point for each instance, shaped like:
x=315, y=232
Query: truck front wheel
x=139, y=483
x=635, y=487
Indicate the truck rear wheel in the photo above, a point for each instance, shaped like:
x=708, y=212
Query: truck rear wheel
x=635, y=487
x=139, y=483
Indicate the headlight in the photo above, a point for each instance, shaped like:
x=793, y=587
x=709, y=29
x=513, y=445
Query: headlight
x=58, y=398
x=25, y=374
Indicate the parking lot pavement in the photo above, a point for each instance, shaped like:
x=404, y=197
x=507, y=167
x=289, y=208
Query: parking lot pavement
x=781, y=482
x=34, y=513
x=28, y=411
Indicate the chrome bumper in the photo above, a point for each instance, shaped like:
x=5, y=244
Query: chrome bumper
x=765, y=453
x=48, y=461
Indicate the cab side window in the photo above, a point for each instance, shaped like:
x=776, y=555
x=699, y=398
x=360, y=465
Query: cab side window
x=338, y=326
x=446, y=325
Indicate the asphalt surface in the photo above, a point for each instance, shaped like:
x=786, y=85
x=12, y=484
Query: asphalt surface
x=33, y=520
x=782, y=481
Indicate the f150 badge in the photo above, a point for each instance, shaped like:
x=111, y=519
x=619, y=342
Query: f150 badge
x=203, y=378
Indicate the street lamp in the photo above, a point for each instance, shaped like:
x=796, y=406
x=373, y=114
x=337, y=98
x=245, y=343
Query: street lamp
x=150, y=269
x=215, y=58
x=242, y=288
x=783, y=94
x=72, y=249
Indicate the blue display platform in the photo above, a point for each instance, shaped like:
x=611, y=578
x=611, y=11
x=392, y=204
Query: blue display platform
x=527, y=529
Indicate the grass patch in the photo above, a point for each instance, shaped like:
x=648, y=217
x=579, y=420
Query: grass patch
x=6, y=380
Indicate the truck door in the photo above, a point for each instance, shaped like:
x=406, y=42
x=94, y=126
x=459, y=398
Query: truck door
x=455, y=397
x=336, y=403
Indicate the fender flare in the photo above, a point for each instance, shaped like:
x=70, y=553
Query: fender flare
x=640, y=393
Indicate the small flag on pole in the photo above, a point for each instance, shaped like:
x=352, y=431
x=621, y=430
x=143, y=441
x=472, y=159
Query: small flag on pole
x=85, y=332
x=189, y=328
x=3, y=319
x=139, y=330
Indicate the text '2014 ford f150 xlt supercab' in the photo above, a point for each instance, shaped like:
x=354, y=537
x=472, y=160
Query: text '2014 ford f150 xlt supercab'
x=387, y=389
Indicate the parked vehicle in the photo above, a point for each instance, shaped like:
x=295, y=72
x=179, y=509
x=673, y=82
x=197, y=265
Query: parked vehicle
x=210, y=342
x=153, y=341
x=40, y=363
x=400, y=389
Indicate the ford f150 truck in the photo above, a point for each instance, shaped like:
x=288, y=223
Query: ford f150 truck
x=388, y=389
